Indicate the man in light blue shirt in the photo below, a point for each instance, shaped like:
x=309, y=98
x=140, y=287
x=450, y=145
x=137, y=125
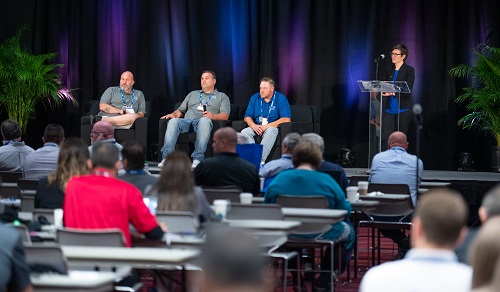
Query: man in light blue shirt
x=14, y=151
x=44, y=160
x=396, y=166
x=269, y=170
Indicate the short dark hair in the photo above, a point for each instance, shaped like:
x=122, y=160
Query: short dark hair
x=210, y=72
x=268, y=80
x=404, y=50
x=135, y=154
x=53, y=133
x=443, y=214
x=11, y=130
x=307, y=152
x=104, y=154
x=491, y=202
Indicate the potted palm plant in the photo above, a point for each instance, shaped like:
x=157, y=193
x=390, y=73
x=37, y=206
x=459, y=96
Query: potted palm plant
x=27, y=79
x=482, y=98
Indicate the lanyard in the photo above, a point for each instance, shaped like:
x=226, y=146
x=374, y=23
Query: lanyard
x=270, y=107
x=132, y=100
x=136, y=171
x=209, y=97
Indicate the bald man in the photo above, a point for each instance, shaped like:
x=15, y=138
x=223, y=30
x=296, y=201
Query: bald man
x=122, y=105
x=226, y=167
x=396, y=166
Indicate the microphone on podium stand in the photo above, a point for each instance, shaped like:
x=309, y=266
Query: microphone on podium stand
x=376, y=60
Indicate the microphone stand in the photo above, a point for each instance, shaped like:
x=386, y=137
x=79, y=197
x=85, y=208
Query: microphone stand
x=419, y=123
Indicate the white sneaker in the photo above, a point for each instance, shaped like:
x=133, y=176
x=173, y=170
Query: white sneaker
x=195, y=163
x=160, y=165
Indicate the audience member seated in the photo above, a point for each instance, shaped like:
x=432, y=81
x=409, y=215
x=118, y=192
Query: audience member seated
x=175, y=189
x=490, y=208
x=226, y=168
x=273, y=167
x=232, y=261
x=195, y=114
x=104, y=132
x=44, y=160
x=14, y=151
x=73, y=160
x=134, y=155
x=305, y=181
x=122, y=105
x=439, y=224
x=14, y=271
x=484, y=254
x=265, y=112
x=327, y=165
x=100, y=200
x=396, y=166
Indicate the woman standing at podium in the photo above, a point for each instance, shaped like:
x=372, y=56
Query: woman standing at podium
x=392, y=108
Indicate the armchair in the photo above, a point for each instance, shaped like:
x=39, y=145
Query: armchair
x=186, y=141
x=138, y=132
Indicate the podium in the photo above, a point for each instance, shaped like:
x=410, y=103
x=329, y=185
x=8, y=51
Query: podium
x=378, y=106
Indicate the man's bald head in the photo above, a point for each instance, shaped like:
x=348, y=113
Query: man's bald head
x=397, y=139
x=225, y=140
x=102, y=130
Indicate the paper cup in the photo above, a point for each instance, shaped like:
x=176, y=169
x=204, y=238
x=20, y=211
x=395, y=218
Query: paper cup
x=246, y=198
x=352, y=194
x=220, y=208
x=363, y=188
x=58, y=218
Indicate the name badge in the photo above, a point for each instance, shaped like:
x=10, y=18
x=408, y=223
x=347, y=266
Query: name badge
x=264, y=121
x=130, y=109
x=199, y=108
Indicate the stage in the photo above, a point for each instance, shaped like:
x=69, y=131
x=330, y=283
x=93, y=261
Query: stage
x=472, y=185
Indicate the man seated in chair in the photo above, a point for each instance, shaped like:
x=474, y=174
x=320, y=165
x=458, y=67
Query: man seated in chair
x=438, y=226
x=265, y=112
x=14, y=150
x=271, y=169
x=122, y=105
x=195, y=114
x=396, y=166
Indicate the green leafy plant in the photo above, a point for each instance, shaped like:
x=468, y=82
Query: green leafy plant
x=27, y=80
x=482, y=98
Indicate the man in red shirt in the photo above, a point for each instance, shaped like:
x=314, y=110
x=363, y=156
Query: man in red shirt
x=99, y=200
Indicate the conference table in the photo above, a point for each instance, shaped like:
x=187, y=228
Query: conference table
x=314, y=215
x=137, y=257
x=74, y=281
x=264, y=225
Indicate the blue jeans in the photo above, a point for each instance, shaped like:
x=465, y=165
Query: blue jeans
x=268, y=139
x=202, y=127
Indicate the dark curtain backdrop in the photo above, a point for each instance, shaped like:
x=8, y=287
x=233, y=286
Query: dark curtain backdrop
x=315, y=51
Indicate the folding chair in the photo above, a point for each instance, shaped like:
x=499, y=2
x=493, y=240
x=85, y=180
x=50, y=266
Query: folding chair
x=270, y=241
x=307, y=228
x=46, y=258
x=231, y=193
x=390, y=206
x=90, y=237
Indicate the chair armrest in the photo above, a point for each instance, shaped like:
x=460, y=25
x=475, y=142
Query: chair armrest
x=285, y=129
x=239, y=125
x=141, y=130
x=85, y=129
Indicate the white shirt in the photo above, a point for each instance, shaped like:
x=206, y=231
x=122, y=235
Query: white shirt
x=423, y=270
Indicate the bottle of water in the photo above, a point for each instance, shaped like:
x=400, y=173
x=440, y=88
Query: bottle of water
x=146, y=166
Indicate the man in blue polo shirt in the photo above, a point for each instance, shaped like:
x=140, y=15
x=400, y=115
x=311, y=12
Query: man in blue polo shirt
x=265, y=112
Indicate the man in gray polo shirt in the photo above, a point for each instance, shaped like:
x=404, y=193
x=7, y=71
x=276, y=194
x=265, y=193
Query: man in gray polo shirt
x=14, y=151
x=195, y=114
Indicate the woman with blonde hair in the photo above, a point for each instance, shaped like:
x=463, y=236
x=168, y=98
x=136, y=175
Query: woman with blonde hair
x=175, y=189
x=73, y=160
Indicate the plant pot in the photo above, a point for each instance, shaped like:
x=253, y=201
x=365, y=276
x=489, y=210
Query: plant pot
x=495, y=158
